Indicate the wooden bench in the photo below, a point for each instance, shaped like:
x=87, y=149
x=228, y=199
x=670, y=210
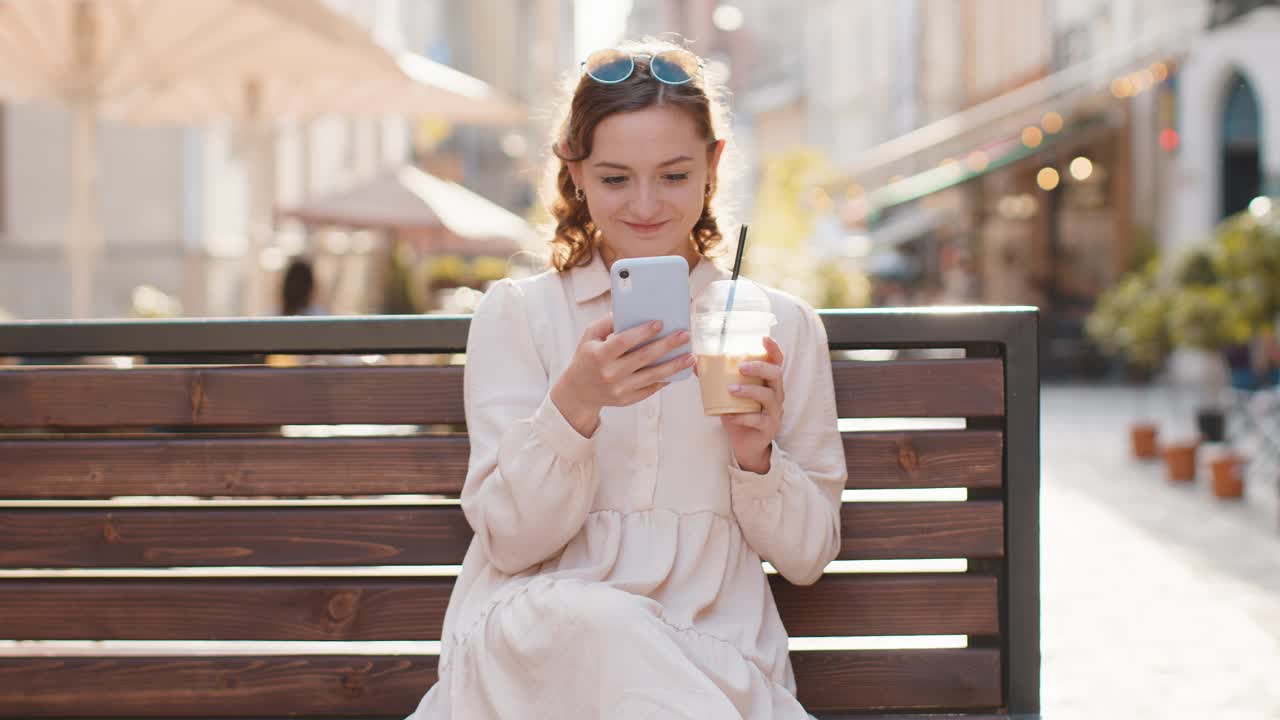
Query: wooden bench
x=153, y=506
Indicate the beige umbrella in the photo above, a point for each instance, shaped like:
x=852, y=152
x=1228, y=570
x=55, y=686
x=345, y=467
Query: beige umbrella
x=434, y=214
x=168, y=61
x=408, y=84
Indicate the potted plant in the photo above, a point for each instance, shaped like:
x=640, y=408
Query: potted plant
x=1129, y=322
x=1227, y=475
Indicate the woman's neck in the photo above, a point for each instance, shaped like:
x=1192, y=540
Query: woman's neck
x=608, y=256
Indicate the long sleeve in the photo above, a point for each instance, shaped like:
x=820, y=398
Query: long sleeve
x=531, y=476
x=791, y=515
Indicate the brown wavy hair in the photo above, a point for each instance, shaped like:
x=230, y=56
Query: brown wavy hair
x=576, y=238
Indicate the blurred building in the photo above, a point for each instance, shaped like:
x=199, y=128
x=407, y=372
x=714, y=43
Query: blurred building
x=523, y=48
x=174, y=202
x=1226, y=119
x=997, y=151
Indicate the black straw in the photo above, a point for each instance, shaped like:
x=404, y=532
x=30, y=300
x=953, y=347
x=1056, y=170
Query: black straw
x=742, y=243
x=733, y=288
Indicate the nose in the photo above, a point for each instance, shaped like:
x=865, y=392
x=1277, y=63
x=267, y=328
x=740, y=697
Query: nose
x=645, y=204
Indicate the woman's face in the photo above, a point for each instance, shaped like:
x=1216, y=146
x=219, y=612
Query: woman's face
x=645, y=182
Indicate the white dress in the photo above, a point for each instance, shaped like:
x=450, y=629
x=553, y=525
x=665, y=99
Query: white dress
x=619, y=576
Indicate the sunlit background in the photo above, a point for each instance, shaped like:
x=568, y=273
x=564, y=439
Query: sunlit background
x=1114, y=163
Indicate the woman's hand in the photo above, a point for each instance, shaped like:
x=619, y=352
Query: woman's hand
x=607, y=370
x=751, y=434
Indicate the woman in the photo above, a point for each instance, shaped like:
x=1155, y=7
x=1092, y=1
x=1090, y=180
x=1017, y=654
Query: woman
x=615, y=569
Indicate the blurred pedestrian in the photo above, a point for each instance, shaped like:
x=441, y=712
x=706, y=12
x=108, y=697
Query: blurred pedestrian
x=298, y=289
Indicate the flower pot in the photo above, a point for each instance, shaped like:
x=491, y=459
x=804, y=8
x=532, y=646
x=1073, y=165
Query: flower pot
x=1143, y=438
x=1180, y=461
x=1228, y=476
x=1212, y=425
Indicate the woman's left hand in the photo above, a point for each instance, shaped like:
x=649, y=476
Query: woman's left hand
x=751, y=434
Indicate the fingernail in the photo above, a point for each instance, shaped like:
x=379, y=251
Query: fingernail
x=683, y=335
x=688, y=360
x=735, y=388
x=656, y=325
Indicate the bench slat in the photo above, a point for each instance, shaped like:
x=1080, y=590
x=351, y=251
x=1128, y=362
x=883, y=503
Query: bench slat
x=222, y=687
x=233, y=536
x=341, y=609
x=284, y=467
x=405, y=535
x=259, y=396
x=845, y=681
x=349, y=686
x=240, y=467
x=321, y=609
x=230, y=396
x=924, y=459
x=972, y=387
x=921, y=530
x=889, y=605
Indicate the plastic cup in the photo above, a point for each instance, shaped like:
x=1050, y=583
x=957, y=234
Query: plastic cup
x=723, y=340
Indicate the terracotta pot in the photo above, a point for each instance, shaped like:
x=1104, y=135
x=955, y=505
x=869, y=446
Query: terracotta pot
x=1228, y=476
x=1180, y=460
x=1143, y=438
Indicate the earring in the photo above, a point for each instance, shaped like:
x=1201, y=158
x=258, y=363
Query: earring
x=579, y=195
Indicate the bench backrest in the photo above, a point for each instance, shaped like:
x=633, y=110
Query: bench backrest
x=256, y=540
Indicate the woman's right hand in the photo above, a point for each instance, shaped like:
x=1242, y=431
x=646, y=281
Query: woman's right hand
x=607, y=370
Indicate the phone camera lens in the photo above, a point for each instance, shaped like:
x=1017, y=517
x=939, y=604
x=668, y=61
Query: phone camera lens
x=624, y=274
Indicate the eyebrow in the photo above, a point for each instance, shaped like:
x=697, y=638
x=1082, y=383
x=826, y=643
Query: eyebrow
x=620, y=166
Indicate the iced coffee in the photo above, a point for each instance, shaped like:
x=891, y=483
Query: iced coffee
x=730, y=322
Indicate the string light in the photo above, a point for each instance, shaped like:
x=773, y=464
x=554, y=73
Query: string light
x=1052, y=122
x=1032, y=137
x=1047, y=178
x=1081, y=168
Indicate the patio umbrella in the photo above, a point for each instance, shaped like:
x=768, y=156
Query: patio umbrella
x=160, y=61
x=407, y=84
x=435, y=214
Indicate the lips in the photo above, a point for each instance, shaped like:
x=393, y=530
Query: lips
x=643, y=229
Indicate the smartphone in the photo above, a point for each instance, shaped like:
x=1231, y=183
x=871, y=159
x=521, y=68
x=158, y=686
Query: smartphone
x=648, y=289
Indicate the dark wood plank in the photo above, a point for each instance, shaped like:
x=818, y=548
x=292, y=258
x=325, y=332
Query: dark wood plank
x=200, y=687
x=853, y=680
x=147, y=537
x=944, y=715
x=240, y=467
x=169, y=537
x=222, y=609
x=347, y=686
x=890, y=605
x=920, y=388
x=290, y=467
x=330, y=609
x=230, y=396
x=920, y=530
x=86, y=398
x=924, y=459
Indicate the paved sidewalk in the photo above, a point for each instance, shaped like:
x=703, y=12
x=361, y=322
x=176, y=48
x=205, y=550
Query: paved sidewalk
x=1159, y=601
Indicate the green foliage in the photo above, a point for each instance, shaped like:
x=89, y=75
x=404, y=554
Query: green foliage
x=1130, y=318
x=1207, y=317
x=1220, y=294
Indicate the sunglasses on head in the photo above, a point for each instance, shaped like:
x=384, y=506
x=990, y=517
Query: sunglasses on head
x=673, y=67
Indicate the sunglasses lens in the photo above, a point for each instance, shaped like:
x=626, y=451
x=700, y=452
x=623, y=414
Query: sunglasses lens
x=610, y=66
x=675, y=67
